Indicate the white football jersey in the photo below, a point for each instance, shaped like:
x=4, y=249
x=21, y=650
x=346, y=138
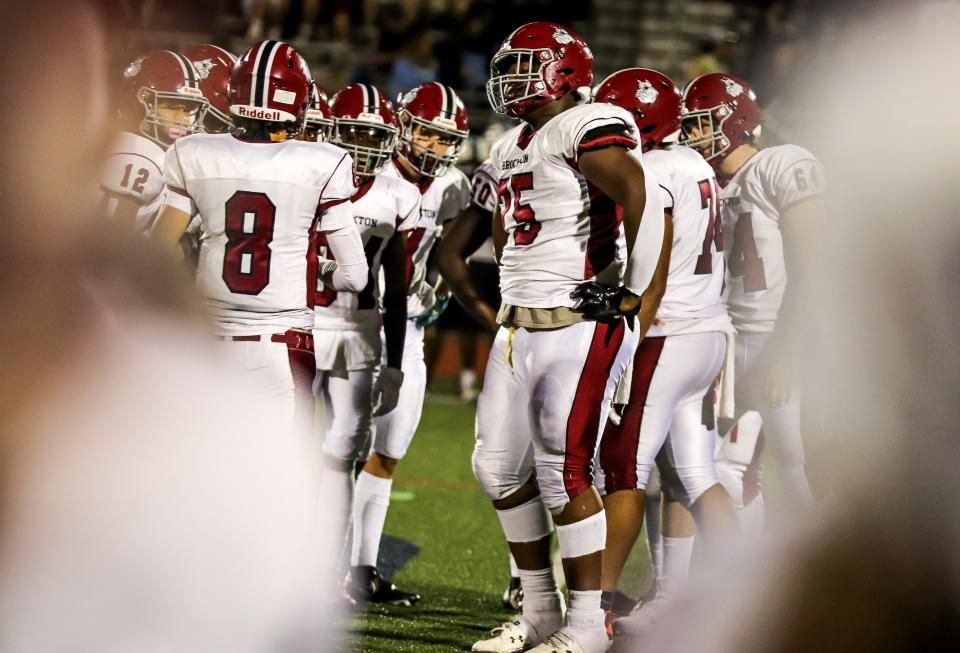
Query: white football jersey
x=561, y=229
x=381, y=207
x=695, y=281
x=258, y=204
x=752, y=202
x=443, y=199
x=484, y=196
x=484, y=185
x=134, y=169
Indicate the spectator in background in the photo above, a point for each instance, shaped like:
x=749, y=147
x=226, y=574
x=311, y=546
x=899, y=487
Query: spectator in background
x=716, y=53
x=415, y=64
x=265, y=17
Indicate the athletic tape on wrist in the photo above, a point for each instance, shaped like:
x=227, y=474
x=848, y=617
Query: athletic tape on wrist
x=583, y=537
x=527, y=522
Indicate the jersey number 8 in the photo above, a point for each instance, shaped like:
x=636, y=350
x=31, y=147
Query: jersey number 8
x=248, y=226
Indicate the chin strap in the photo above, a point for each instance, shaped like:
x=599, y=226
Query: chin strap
x=583, y=94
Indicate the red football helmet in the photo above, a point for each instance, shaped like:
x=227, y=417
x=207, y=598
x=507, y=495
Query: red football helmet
x=538, y=63
x=213, y=65
x=166, y=84
x=318, y=122
x=365, y=125
x=651, y=98
x=271, y=83
x=434, y=128
x=724, y=109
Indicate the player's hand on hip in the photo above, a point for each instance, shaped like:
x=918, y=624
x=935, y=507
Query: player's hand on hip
x=604, y=303
x=386, y=390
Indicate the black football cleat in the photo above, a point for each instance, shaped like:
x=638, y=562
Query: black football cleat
x=366, y=586
x=513, y=595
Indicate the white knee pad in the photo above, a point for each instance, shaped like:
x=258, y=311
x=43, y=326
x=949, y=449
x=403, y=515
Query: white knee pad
x=527, y=522
x=497, y=480
x=583, y=537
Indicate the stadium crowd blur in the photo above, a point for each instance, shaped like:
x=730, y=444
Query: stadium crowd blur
x=397, y=44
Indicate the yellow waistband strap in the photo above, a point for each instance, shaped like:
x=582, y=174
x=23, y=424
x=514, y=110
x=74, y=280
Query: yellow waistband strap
x=508, y=352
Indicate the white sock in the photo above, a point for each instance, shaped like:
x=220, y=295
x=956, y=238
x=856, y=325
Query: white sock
x=369, y=515
x=542, y=602
x=514, y=570
x=677, y=552
x=336, y=489
x=585, y=621
x=656, y=559
x=468, y=379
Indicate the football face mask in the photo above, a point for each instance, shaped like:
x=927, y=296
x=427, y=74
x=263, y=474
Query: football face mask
x=698, y=131
x=170, y=115
x=371, y=145
x=432, y=149
x=515, y=81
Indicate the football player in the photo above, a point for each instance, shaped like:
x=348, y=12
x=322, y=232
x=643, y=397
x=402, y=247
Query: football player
x=213, y=65
x=262, y=199
x=318, y=125
x=460, y=240
x=162, y=101
x=347, y=325
x=433, y=124
x=772, y=212
x=685, y=348
x=569, y=186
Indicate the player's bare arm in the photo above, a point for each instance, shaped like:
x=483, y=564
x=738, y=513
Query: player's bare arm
x=621, y=178
x=498, y=233
x=394, y=264
x=125, y=210
x=170, y=226
x=801, y=228
x=461, y=239
x=650, y=299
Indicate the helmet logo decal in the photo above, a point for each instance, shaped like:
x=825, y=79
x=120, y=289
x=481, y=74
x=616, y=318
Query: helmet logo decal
x=409, y=96
x=561, y=36
x=733, y=88
x=133, y=69
x=204, y=67
x=646, y=93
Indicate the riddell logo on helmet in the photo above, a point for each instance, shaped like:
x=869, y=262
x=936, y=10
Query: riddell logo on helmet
x=259, y=114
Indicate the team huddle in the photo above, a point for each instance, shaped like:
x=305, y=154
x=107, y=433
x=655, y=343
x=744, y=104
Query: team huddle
x=644, y=246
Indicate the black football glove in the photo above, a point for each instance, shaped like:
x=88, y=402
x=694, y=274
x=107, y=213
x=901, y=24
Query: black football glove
x=601, y=303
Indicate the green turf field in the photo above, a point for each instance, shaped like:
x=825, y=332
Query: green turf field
x=443, y=533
